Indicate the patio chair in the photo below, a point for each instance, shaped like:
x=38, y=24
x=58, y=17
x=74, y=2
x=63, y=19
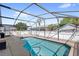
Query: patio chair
x=2, y=44
x=2, y=35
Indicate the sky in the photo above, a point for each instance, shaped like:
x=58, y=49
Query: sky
x=37, y=11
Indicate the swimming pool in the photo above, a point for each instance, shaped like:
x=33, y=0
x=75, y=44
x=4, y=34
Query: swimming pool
x=41, y=47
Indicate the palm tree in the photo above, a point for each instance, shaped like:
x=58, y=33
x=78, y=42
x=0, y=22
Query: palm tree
x=39, y=23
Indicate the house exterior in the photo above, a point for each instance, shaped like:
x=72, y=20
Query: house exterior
x=69, y=27
x=6, y=27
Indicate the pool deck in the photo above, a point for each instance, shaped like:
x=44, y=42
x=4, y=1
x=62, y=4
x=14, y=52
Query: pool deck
x=78, y=49
x=76, y=53
x=14, y=47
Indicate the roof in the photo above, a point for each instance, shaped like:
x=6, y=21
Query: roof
x=2, y=25
x=68, y=27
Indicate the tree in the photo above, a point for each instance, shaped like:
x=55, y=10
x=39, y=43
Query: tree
x=39, y=23
x=21, y=26
x=65, y=21
x=74, y=21
x=52, y=27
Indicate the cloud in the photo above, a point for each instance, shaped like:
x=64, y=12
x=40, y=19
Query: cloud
x=21, y=15
x=66, y=5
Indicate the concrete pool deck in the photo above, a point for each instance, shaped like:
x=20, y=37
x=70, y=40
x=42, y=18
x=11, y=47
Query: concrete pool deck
x=14, y=47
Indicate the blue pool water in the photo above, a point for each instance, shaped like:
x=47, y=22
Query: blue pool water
x=41, y=47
